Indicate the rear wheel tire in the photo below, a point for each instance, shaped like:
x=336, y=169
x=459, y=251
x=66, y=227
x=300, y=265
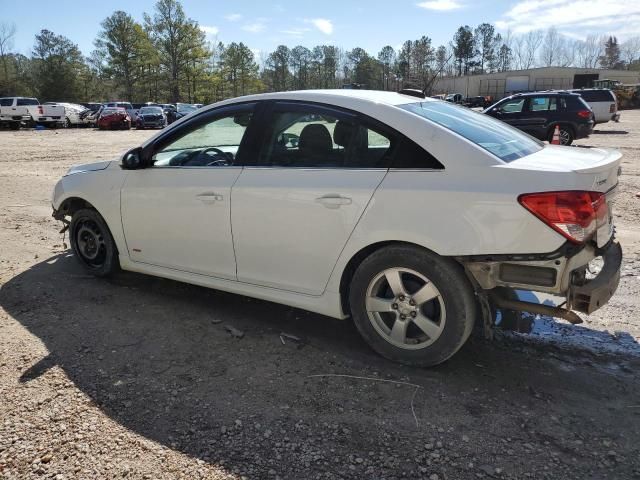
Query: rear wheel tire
x=412, y=306
x=566, y=135
x=92, y=243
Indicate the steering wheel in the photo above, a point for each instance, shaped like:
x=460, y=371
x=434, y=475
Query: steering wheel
x=220, y=162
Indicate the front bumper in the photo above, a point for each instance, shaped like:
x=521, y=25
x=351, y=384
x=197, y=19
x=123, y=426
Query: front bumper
x=562, y=273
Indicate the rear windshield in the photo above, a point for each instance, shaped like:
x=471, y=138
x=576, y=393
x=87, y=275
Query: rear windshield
x=27, y=101
x=156, y=110
x=502, y=140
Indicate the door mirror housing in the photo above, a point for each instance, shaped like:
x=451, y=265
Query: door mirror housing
x=132, y=160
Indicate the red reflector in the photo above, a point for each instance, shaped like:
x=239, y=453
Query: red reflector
x=584, y=113
x=574, y=214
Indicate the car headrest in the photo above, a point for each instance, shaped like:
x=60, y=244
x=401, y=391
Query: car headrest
x=315, y=138
x=342, y=133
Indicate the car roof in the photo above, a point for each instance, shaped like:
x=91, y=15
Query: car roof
x=342, y=97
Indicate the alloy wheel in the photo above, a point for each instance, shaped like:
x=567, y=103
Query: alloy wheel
x=405, y=308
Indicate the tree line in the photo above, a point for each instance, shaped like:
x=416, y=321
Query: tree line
x=167, y=57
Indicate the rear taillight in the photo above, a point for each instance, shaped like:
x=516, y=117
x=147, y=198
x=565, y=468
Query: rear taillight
x=40, y=110
x=574, y=214
x=612, y=108
x=584, y=113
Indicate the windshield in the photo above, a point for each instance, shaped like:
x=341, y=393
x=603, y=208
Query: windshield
x=184, y=108
x=156, y=110
x=502, y=140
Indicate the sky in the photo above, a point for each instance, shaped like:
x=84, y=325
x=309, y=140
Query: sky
x=370, y=24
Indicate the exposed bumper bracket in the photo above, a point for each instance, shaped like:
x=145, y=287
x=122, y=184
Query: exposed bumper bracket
x=519, y=305
x=594, y=293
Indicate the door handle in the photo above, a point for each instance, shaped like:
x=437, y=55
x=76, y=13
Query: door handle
x=209, y=197
x=334, y=200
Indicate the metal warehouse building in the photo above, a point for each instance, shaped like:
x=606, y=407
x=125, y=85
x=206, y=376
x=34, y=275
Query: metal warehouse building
x=499, y=85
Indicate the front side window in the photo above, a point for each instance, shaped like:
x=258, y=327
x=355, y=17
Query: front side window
x=503, y=141
x=512, y=106
x=214, y=144
x=315, y=138
x=6, y=102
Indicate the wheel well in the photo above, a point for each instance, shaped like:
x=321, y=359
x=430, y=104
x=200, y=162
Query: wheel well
x=354, y=263
x=71, y=205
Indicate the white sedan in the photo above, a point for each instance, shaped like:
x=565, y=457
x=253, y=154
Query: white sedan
x=413, y=216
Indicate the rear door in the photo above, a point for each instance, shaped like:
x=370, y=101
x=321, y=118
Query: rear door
x=541, y=111
x=295, y=208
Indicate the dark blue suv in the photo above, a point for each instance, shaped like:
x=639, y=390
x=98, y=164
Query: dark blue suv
x=538, y=113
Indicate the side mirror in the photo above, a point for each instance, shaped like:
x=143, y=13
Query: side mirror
x=132, y=160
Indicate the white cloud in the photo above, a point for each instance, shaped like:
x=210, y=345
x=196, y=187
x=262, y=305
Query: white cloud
x=296, y=32
x=440, y=5
x=233, y=17
x=255, y=27
x=210, y=30
x=617, y=17
x=322, y=24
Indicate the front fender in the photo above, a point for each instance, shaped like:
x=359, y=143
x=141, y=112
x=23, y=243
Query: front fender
x=99, y=188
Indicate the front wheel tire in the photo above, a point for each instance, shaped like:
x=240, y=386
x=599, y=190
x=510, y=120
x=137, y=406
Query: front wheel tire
x=412, y=306
x=92, y=243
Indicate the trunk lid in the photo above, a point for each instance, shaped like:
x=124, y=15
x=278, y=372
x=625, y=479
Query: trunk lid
x=598, y=167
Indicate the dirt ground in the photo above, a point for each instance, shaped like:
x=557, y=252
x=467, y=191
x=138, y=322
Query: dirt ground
x=139, y=378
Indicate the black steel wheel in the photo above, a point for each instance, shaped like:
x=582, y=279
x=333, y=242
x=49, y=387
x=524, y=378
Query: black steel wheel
x=92, y=243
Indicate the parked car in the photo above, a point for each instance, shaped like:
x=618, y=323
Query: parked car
x=126, y=105
x=474, y=102
x=602, y=102
x=72, y=113
x=11, y=115
x=454, y=98
x=113, y=118
x=184, y=109
x=404, y=213
x=50, y=115
x=538, y=113
x=151, y=117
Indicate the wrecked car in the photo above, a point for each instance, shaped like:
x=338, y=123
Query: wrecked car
x=411, y=216
x=113, y=118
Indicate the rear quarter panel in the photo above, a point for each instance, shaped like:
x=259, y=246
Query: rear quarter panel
x=475, y=212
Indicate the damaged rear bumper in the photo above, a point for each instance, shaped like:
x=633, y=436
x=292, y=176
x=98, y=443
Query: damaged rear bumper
x=588, y=295
x=563, y=273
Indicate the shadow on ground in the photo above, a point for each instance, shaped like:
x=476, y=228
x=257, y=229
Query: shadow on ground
x=155, y=356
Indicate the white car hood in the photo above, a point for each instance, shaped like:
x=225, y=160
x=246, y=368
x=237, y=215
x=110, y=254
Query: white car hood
x=88, y=167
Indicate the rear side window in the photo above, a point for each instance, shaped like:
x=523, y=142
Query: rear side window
x=27, y=101
x=502, y=140
x=6, y=102
x=308, y=136
x=596, y=95
x=542, y=104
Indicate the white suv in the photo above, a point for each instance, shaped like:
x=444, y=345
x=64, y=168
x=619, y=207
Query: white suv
x=413, y=216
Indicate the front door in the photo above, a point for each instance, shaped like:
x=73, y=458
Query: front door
x=177, y=212
x=294, y=210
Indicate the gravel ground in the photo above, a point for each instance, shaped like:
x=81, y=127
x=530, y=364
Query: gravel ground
x=145, y=378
